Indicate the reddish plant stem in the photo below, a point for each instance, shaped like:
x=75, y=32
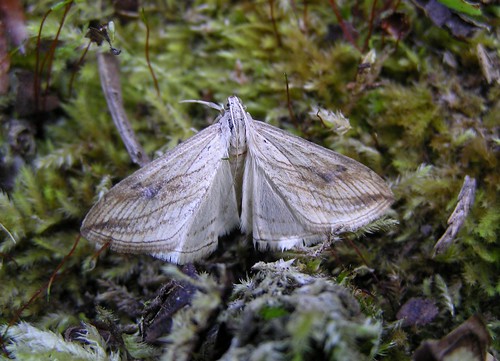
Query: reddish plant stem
x=342, y=24
x=146, y=51
x=273, y=19
x=49, y=57
x=36, y=80
x=370, y=26
x=304, y=13
x=102, y=249
x=51, y=52
x=70, y=253
x=80, y=61
x=46, y=286
x=363, y=259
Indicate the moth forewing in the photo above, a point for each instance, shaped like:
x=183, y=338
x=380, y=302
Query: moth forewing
x=167, y=207
x=304, y=193
x=285, y=190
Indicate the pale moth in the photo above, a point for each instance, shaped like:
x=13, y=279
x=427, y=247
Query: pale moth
x=284, y=190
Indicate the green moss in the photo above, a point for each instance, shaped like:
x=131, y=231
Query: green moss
x=423, y=119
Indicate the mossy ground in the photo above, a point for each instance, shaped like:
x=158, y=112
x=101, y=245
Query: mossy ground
x=423, y=117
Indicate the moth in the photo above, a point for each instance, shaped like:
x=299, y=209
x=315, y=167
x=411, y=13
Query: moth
x=284, y=190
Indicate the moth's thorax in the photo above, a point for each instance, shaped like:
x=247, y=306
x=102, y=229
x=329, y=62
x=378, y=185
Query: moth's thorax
x=237, y=123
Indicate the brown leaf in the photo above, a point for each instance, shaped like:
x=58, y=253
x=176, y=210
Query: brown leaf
x=468, y=342
x=444, y=18
x=173, y=296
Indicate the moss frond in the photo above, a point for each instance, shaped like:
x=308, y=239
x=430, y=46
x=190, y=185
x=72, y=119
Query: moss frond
x=423, y=116
x=31, y=343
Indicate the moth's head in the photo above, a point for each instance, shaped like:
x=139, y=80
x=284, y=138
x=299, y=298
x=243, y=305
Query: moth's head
x=233, y=102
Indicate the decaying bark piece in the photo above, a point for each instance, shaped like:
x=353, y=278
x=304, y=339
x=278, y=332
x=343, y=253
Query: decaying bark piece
x=469, y=341
x=457, y=218
x=110, y=83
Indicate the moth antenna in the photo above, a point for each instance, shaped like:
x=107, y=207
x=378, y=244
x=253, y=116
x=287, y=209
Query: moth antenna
x=212, y=105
